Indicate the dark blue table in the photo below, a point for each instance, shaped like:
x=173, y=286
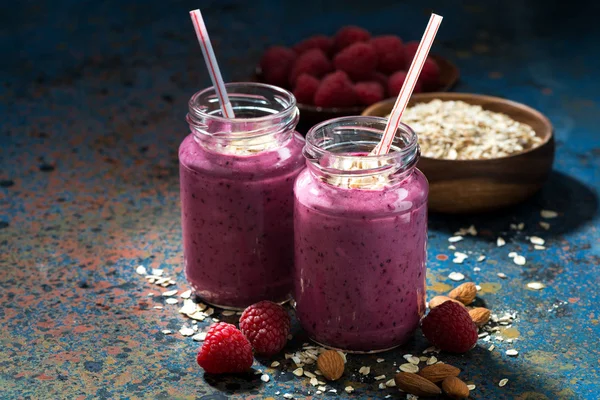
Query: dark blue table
x=93, y=100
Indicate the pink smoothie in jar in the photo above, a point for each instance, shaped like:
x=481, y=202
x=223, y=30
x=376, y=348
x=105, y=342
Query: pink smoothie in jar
x=236, y=178
x=360, y=225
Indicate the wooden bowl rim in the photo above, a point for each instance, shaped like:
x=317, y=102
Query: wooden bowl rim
x=357, y=110
x=423, y=97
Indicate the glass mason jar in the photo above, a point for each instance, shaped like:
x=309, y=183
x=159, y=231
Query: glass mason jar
x=360, y=226
x=236, y=178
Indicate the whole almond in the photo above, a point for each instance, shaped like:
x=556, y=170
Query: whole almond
x=414, y=384
x=455, y=388
x=464, y=293
x=331, y=364
x=480, y=315
x=438, y=372
x=437, y=300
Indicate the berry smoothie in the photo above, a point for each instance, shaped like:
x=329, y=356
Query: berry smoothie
x=237, y=212
x=360, y=258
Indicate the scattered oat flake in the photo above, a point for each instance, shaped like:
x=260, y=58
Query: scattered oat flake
x=500, y=242
x=189, y=307
x=432, y=360
x=512, y=352
x=228, y=313
x=364, y=370
x=171, y=300
x=264, y=378
x=411, y=397
x=456, y=276
x=492, y=347
x=275, y=364
x=476, y=269
x=481, y=258
x=200, y=337
x=380, y=360
x=186, y=295
x=298, y=372
x=455, y=239
x=451, y=247
x=431, y=349
x=408, y=367
x=379, y=377
x=141, y=270
x=314, y=381
x=519, y=260
x=309, y=374
x=537, y=240
x=536, y=285
x=169, y=293
x=539, y=247
x=390, y=383
x=503, y=382
x=287, y=396
x=478, y=288
x=209, y=312
x=166, y=331
x=343, y=355
x=548, y=214
x=382, y=386
x=512, y=254
x=471, y=387
x=413, y=360
x=158, y=307
x=349, y=389
x=157, y=272
x=545, y=225
x=322, y=388
x=186, y=331
x=501, y=275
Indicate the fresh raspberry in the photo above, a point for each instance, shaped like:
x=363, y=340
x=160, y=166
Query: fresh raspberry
x=336, y=90
x=430, y=75
x=225, y=350
x=410, y=49
x=358, y=60
x=390, y=53
x=369, y=92
x=266, y=325
x=379, y=78
x=322, y=42
x=349, y=35
x=396, y=81
x=450, y=328
x=306, y=87
x=314, y=62
x=276, y=64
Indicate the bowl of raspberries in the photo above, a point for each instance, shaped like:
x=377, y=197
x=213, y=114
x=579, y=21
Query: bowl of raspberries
x=342, y=75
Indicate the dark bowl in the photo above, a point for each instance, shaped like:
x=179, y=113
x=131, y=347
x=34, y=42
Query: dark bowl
x=311, y=115
x=469, y=186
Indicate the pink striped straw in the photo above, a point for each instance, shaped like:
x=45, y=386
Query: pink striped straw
x=211, y=63
x=383, y=147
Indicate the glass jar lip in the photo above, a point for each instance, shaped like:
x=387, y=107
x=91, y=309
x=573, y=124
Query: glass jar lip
x=395, y=151
x=192, y=105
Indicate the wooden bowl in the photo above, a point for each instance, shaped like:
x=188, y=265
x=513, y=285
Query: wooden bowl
x=311, y=115
x=469, y=186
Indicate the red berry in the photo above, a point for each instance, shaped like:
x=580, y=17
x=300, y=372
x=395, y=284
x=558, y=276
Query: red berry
x=276, y=64
x=369, y=92
x=358, y=61
x=430, y=75
x=349, y=35
x=225, y=350
x=314, y=62
x=450, y=328
x=396, y=81
x=322, y=42
x=266, y=325
x=306, y=87
x=336, y=90
x=379, y=78
x=410, y=49
x=390, y=53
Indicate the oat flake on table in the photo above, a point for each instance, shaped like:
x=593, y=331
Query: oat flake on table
x=455, y=130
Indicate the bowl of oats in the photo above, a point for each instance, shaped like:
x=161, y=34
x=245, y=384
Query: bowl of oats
x=480, y=153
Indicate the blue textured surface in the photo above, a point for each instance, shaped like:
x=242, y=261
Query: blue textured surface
x=93, y=99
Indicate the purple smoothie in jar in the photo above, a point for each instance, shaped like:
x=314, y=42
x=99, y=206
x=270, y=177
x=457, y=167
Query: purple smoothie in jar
x=360, y=225
x=236, y=178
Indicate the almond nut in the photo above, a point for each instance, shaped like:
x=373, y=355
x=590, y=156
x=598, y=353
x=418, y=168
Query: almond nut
x=414, y=384
x=331, y=364
x=455, y=388
x=464, y=293
x=438, y=372
x=480, y=315
x=437, y=300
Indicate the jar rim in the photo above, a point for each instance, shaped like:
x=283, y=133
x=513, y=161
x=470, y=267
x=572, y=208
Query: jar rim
x=236, y=86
